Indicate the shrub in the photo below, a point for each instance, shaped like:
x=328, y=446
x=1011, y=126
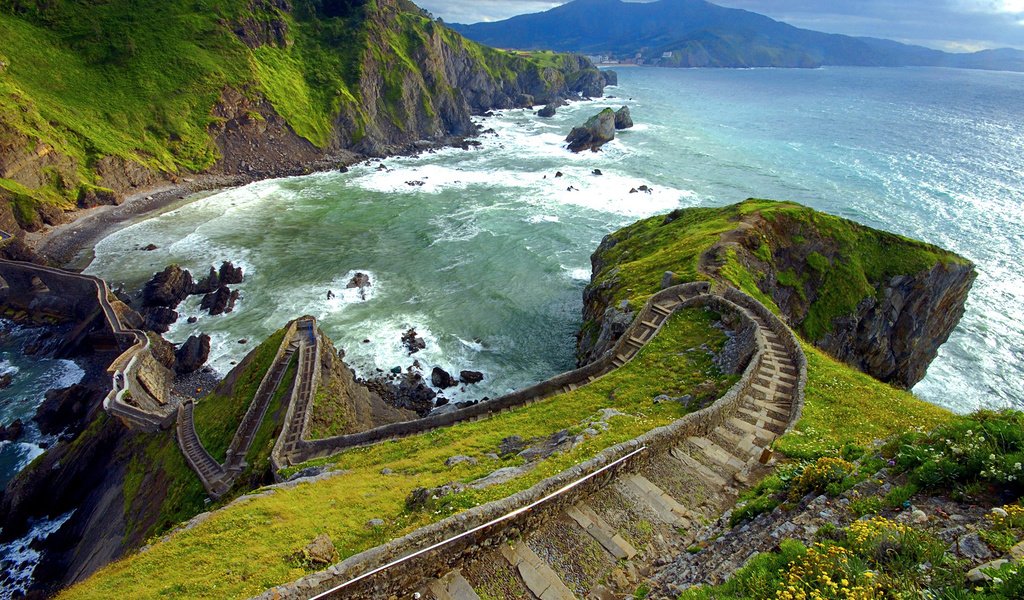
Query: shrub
x=819, y=476
x=827, y=572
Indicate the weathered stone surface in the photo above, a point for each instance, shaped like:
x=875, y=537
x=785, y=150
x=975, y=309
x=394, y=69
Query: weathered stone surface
x=167, y=288
x=67, y=409
x=458, y=460
x=623, y=120
x=5, y=380
x=318, y=553
x=596, y=132
x=441, y=378
x=193, y=354
x=230, y=274
x=971, y=546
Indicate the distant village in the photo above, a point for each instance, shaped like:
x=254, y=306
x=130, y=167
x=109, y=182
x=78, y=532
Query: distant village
x=637, y=59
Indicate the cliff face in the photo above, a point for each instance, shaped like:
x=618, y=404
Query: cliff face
x=97, y=102
x=125, y=487
x=877, y=301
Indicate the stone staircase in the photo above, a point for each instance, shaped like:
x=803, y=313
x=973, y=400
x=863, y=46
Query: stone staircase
x=603, y=528
x=693, y=483
x=218, y=478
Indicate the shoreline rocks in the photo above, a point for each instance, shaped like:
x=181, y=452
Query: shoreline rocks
x=596, y=132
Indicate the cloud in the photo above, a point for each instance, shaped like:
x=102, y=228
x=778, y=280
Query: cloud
x=944, y=24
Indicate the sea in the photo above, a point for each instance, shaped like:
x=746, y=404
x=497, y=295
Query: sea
x=485, y=252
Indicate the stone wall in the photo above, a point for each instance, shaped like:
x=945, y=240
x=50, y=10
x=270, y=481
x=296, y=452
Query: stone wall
x=402, y=565
x=308, y=450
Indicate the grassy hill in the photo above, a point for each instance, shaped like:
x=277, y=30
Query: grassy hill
x=98, y=99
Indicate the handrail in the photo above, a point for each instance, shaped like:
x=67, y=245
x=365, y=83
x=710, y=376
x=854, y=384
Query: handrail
x=491, y=523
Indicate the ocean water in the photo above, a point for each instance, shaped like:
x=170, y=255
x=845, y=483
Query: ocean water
x=31, y=378
x=486, y=252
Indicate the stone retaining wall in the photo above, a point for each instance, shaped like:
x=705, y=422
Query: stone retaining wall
x=311, y=449
x=480, y=529
x=140, y=385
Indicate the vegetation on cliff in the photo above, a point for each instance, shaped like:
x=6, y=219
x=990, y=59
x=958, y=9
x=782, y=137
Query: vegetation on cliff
x=98, y=99
x=246, y=547
x=877, y=300
x=920, y=514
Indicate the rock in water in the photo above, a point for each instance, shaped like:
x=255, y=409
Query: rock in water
x=193, y=354
x=441, y=378
x=412, y=342
x=359, y=280
x=596, y=132
x=159, y=318
x=471, y=376
x=10, y=433
x=5, y=380
x=207, y=284
x=167, y=288
x=622, y=118
x=230, y=274
x=220, y=301
x=547, y=112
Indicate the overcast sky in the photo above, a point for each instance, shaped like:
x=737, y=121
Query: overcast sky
x=955, y=25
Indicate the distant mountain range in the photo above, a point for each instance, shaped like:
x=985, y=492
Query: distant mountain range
x=694, y=33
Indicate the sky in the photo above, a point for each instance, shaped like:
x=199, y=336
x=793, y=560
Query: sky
x=952, y=25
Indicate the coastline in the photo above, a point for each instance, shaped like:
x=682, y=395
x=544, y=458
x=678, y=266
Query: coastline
x=69, y=245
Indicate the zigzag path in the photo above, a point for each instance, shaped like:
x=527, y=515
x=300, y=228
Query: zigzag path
x=642, y=511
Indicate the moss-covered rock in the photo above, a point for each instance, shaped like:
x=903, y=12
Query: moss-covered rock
x=881, y=302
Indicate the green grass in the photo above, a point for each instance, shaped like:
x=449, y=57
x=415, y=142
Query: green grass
x=869, y=257
x=218, y=415
x=244, y=549
x=844, y=406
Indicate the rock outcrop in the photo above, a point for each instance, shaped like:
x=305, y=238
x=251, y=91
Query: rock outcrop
x=193, y=354
x=623, y=120
x=596, y=132
x=877, y=301
x=168, y=287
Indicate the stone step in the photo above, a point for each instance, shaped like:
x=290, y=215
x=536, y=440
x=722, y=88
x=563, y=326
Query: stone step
x=761, y=418
x=698, y=469
x=650, y=324
x=760, y=434
x=665, y=506
x=717, y=454
x=452, y=586
x=536, y=574
x=661, y=309
x=601, y=531
x=740, y=445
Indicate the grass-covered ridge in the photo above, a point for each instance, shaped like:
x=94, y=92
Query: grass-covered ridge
x=246, y=548
x=83, y=81
x=841, y=262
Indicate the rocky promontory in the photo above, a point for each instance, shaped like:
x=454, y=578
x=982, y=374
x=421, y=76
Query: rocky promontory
x=877, y=301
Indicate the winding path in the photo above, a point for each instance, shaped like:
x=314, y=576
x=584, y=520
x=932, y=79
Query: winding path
x=134, y=373
x=673, y=477
x=218, y=478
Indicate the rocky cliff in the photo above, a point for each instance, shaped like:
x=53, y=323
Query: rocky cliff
x=878, y=301
x=123, y=487
x=98, y=102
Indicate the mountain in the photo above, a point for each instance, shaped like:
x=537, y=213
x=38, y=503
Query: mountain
x=694, y=33
x=102, y=99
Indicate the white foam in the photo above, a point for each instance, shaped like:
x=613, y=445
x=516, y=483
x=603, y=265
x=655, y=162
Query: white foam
x=21, y=559
x=6, y=368
x=542, y=219
x=577, y=274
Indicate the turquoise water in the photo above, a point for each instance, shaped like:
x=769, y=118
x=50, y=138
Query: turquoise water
x=487, y=259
